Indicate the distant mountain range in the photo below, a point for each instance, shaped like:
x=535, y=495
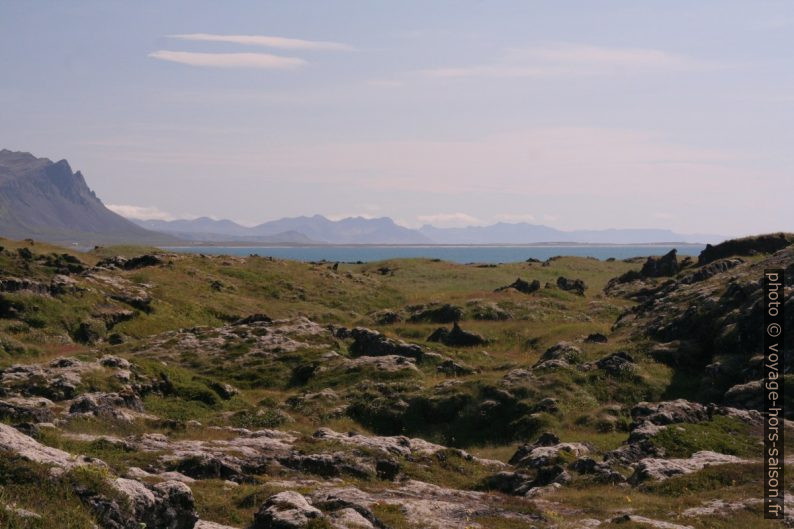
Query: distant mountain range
x=46, y=200
x=359, y=230
x=297, y=230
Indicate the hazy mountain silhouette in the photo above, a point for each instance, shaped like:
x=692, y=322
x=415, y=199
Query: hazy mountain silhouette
x=47, y=200
x=298, y=230
x=359, y=230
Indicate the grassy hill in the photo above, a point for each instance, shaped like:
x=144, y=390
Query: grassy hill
x=220, y=343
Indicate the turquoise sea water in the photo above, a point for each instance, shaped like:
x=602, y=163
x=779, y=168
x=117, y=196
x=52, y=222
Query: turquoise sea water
x=458, y=254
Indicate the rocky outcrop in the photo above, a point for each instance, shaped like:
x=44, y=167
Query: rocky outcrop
x=545, y=451
x=15, y=442
x=573, y=285
x=122, y=289
x=456, y=337
x=518, y=484
x=450, y=367
x=601, y=472
x=617, y=364
x=747, y=246
x=330, y=464
x=285, y=510
x=664, y=266
x=747, y=395
x=30, y=409
x=15, y=284
x=711, y=269
x=367, y=342
x=107, y=405
x=520, y=285
x=386, y=317
x=656, y=469
x=712, y=330
x=668, y=412
x=254, y=318
x=57, y=380
x=132, y=263
x=596, y=337
x=561, y=354
x=384, y=364
x=169, y=504
x=486, y=311
x=445, y=313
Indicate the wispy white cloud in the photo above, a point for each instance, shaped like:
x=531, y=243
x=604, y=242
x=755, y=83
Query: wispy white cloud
x=515, y=217
x=140, y=212
x=561, y=60
x=267, y=41
x=448, y=220
x=230, y=60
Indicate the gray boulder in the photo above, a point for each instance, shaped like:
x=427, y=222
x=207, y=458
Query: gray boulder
x=285, y=510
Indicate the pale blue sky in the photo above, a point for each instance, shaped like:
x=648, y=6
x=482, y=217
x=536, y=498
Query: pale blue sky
x=669, y=114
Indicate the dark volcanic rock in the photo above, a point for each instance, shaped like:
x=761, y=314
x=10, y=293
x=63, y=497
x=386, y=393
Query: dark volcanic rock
x=716, y=322
x=330, y=465
x=711, y=269
x=133, y=263
x=506, y=482
x=596, y=337
x=770, y=243
x=20, y=410
x=601, y=471
x=254, y=318
x=367, y=342
x=386, y=317
x=520, y=484
x=522, y=286
x=664, y=266
x=574, y=285
x=450, y=367
x=437, y=314
x=15, y=284
x=208, y=467
x=456, y=337
x=617, y=363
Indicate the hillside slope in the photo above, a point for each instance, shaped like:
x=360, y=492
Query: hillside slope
x=139, y=386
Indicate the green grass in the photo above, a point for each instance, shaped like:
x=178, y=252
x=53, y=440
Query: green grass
x=30, y=486
x=393, y=516
x=721, y=434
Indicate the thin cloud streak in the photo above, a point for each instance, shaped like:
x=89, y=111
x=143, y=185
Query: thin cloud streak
x=267, y=41
x=140, y=212
x=229, y=60
x=448, y=220
x=563, y=60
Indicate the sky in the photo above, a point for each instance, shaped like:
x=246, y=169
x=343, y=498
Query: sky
x=574, y=114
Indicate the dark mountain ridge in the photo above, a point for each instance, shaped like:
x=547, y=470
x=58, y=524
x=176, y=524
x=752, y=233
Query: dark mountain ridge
x=46, y=200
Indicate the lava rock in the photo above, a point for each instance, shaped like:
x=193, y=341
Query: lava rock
x=574, y=285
